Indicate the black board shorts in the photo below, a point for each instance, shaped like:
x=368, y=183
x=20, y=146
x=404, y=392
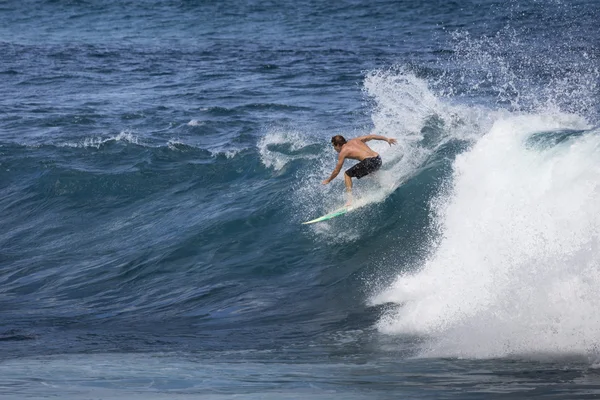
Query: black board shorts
x=365, y=167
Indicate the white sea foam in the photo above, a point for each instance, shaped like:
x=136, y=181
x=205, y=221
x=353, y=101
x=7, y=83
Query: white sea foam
x=228, y=153
x=516, y=268
x=174, y=144
x=278, y=159
x=195, y=122
x=97, y=142
x=231, y=153
x=404, y=105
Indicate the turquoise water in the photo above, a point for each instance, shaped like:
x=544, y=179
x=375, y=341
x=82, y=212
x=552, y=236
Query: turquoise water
x=157, y=159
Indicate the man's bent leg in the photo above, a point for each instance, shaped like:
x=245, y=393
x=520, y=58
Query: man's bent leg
x=348, y=182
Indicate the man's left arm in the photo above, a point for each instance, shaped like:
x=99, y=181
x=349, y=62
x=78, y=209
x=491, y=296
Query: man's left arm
x=366, y=138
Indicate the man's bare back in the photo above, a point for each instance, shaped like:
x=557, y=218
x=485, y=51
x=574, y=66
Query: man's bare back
x=356, y=149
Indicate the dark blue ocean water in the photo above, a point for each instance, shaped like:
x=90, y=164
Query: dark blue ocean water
x=157, y=159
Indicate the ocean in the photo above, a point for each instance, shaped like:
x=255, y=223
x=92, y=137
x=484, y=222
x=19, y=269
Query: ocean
x=157, y=159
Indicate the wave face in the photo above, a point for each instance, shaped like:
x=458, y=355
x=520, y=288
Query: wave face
x=511, y=267
x=515, y=260
x=157, y=160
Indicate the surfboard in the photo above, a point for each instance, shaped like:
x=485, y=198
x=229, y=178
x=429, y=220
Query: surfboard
x=333, y=214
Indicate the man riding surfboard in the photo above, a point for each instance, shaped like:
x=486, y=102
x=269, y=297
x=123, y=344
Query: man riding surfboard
x=356, y=149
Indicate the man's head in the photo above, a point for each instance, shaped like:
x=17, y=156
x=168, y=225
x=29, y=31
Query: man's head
x=338, y=141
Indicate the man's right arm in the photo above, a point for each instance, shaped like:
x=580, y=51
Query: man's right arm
x=337, y=169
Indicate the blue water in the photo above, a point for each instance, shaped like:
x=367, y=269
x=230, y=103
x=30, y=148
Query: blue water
x=157, y=159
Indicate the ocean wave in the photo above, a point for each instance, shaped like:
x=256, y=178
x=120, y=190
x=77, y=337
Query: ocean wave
x=512, y=269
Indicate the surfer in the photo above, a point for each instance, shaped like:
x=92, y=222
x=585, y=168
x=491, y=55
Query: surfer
x=356, y=149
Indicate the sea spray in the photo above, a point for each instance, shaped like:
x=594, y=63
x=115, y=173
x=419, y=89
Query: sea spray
x=515, y=270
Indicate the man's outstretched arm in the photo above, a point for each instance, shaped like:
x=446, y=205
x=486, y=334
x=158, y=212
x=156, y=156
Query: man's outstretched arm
x=366, y=138
x=337, y=169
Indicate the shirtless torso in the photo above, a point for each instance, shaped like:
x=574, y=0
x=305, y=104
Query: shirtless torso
x=356, y=149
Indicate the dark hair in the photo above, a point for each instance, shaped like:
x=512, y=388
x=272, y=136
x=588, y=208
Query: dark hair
x=338, y=140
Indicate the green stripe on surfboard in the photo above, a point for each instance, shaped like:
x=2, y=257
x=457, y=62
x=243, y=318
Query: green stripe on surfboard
x=333, y=214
